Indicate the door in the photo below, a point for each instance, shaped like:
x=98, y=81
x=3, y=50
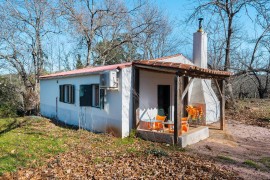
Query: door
x=164, y=100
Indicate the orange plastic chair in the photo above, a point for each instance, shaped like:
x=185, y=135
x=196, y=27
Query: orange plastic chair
x=185, y=125
x=158, y=125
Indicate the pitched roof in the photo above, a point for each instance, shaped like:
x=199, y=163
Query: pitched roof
x=173, y=64
x=87, y=70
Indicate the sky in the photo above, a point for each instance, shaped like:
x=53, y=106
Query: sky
x=178, y=10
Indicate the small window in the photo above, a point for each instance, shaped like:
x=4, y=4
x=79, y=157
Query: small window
x=85, y=95
x=67, y=93
x=92, y=95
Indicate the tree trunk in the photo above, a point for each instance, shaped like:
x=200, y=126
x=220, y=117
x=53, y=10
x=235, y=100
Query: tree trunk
x=88, y=57
x=262, y=92
x=230, y=102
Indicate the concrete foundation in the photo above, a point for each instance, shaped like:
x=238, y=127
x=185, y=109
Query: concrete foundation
x=193, y=136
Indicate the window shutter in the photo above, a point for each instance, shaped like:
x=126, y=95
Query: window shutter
x=69, y=93
x=102, y=98
x=72, y=94
x=91, y=95
x=61, y=93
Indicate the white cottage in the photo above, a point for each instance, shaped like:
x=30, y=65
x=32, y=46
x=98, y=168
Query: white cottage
x=117, y=98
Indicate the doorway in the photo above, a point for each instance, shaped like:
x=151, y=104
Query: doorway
x=164, y=100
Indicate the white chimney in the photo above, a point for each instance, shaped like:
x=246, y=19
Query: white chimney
x=201, y=92
x=200, y=48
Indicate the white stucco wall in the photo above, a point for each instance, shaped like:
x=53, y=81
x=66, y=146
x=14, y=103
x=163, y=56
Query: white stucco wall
x=148, y=102
x=201, y=92
x=115, y=116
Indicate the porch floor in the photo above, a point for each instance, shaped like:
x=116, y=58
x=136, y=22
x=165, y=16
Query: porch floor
x=194, y=135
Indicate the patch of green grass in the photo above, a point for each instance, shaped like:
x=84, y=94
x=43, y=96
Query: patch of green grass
x=226, y=158
x=27, y=140
x=265, y=161
x=108, y=160
x=97, y=160
x=157, y=152
x=251, y=163
x=131, y=150
x=132, y=134
x=175, y=148
x=124, y=141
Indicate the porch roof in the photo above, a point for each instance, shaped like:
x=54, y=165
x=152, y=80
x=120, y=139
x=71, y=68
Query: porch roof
x=181, y=69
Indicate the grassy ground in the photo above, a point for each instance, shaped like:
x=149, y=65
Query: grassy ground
x=34, y=147
x=27, y=142
x=37, y=148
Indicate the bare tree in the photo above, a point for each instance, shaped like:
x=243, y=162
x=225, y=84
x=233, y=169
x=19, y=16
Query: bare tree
x=23, y=30
x=119, y=28
x=227, y=10
x=256, y=63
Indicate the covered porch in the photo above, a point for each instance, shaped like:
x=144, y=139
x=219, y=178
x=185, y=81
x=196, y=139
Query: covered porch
x=163, y=89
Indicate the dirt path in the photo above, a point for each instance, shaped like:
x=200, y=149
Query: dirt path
x=242, y=148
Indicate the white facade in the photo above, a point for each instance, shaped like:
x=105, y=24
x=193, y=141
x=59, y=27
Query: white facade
x=117, y=115
x=148, y=102
x=115, y=118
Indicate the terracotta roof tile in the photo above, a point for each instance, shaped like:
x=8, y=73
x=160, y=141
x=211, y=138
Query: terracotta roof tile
x=186, y=67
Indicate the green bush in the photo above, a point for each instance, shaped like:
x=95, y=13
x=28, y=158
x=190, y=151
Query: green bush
x=7, y=111
x=9, y=97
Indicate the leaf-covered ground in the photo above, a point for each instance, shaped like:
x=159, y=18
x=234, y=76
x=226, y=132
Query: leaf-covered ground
x=252, y=112
x=38, y=149
x=244, y=145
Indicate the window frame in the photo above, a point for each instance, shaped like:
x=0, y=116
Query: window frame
x=92, y=90
x=67, y=93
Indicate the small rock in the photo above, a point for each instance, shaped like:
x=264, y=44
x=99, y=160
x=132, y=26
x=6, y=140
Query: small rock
x=167, y=145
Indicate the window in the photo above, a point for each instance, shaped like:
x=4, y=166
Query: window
x=92, y=95
x=85, y=95
x=67, y=93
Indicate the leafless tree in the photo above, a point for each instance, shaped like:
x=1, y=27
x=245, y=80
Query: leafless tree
x=227, y=10
x=256, y=63
x=23, y=29
x=118, y=27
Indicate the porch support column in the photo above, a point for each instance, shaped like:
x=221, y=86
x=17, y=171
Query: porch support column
x=135, y=97
x=178, y=87
x=222, y=104
x=185, y=94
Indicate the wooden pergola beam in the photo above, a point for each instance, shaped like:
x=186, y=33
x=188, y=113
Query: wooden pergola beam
x=218, y=88
x=178, y=87
x=136, y=88
x=186, y=88
x=189, y=73
x=220, y=84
